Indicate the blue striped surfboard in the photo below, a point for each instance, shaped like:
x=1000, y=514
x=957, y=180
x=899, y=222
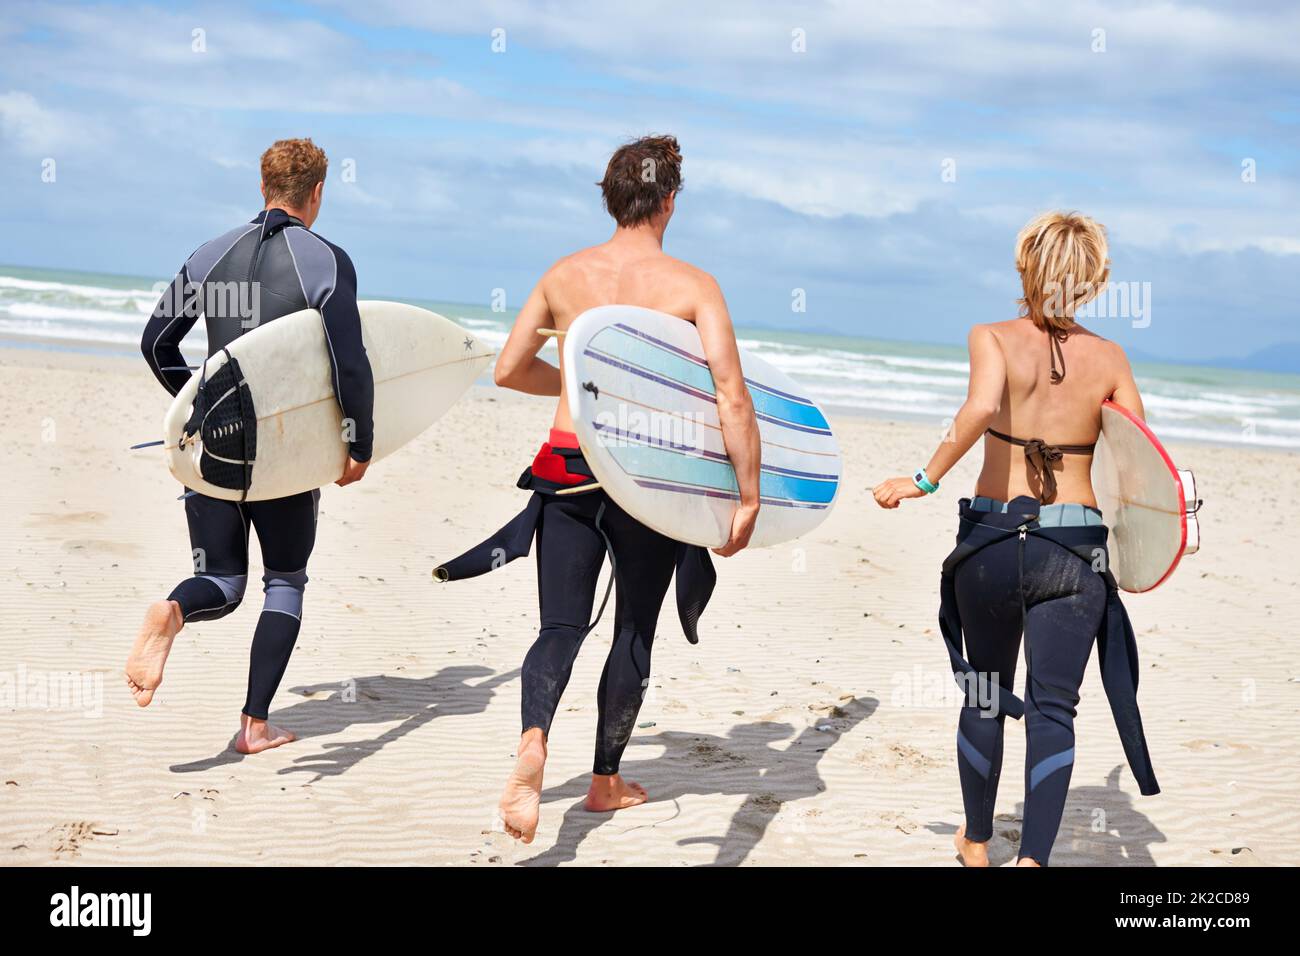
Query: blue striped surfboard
x=643, y=404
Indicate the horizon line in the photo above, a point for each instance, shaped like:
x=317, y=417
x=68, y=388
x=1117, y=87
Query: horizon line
x=1222, y=363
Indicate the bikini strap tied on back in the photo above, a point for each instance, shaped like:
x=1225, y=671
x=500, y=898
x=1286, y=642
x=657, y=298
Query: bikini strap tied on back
x=1054, y=351
x=1041, y=456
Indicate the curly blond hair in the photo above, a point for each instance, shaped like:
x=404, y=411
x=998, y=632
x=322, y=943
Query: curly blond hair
x=1063, y=264
x=291, y=168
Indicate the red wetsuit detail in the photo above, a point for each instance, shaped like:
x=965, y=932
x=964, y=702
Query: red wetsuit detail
x=551, y=467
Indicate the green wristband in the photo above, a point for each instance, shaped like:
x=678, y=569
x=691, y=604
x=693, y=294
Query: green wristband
x=922, y=481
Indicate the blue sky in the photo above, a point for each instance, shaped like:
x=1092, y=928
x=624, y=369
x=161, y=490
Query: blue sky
x=819, y=170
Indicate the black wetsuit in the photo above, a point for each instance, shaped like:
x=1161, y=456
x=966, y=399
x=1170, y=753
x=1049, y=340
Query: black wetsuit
x=571, y=547
x=254, y=274
x=574, y=533
x=1010, y=575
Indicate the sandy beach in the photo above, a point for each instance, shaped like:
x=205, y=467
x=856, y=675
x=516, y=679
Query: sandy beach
x=813, y=724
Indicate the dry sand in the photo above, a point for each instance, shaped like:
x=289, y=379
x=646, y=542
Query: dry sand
x=813, y=724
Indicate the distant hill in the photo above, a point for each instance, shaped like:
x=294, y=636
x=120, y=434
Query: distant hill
x=1283, y=357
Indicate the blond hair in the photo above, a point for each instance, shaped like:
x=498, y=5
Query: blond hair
x=1062, y=261
x=291, y=168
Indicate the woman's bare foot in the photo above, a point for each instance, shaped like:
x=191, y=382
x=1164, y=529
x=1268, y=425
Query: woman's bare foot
x=521, y=803
x=612, y=792
x=971, y=853
x=257, y=735
x=144, y=666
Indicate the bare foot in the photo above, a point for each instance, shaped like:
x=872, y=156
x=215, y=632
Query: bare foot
x=144, y=666
x=1027, y=861
x=612, y=792
x=521, y=801
x=971, y=853
x=257, y=735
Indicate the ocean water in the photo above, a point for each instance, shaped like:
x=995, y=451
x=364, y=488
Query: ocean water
x=44, y=308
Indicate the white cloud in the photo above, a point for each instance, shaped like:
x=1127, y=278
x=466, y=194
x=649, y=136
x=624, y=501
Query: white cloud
x=232, y=162
x=824, y=165
x=31, y=128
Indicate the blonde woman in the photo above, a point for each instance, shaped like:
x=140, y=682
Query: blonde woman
x=1031, y=554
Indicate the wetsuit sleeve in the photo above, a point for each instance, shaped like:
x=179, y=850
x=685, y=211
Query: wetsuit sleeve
x=173, y=316
x=354, y=382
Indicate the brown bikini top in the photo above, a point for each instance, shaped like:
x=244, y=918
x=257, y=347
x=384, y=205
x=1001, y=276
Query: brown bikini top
x=1041, y=455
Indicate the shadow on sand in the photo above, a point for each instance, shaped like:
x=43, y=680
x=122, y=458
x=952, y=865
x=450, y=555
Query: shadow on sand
x=746, y=762
x=379, y=699
x=1126, y=841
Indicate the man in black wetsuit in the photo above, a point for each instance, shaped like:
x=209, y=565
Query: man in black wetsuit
x=257, y=272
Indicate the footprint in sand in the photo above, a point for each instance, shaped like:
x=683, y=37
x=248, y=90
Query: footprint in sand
x=706, y=754
x=1200, y=745
x=68, y=838
x=40, y=518
x=898, y=757
x=1239, y=856
x=116, y=548
x=899, y=822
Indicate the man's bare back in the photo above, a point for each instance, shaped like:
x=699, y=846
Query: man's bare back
x=625, y=273
x=632, y=269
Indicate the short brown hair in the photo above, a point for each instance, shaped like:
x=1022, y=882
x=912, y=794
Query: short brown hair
x=291, y=168
x=640, y=176
x=1062, y=261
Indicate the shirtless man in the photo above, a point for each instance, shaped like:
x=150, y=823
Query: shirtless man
x=640, y=190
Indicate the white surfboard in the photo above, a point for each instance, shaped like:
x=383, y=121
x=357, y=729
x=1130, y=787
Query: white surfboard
x=645, y=413
x=1149, y=505
x=422, y=363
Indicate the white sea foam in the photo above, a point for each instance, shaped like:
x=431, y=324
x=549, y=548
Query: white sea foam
x=67, y=333
x=879, y=379
x=45, y=312
x=73, y=290
x=1228, y=436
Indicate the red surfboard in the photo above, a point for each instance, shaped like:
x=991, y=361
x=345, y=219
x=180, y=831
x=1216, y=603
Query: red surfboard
x=1149, y=505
